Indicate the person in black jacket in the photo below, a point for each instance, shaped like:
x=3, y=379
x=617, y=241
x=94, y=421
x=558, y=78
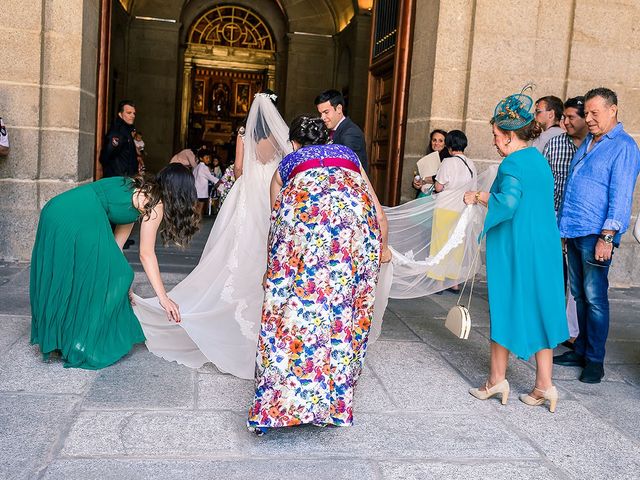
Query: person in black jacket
x=342, y=130
x=118, y=156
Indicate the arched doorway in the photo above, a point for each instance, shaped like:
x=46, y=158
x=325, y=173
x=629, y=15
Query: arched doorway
x=229, y=57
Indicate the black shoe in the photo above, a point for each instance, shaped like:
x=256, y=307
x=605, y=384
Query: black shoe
x=569, y=344
x=569, y=359
x=592, y=373
x=127, y=244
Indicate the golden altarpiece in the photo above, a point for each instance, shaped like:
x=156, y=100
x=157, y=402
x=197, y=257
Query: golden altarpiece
x=229, y=57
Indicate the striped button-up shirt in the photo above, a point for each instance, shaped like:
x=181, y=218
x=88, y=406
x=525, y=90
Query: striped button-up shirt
x=559, y=151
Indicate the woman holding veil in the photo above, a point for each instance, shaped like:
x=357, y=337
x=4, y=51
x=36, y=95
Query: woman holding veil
x=221, y=304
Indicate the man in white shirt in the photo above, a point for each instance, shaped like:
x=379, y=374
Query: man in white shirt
x=549, y=111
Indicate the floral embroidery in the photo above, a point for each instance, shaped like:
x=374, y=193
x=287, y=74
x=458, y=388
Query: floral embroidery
x=324, y=247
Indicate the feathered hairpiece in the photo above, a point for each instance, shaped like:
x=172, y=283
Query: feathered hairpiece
x=514, y=111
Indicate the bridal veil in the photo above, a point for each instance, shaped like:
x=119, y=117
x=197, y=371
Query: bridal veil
x=221, y=299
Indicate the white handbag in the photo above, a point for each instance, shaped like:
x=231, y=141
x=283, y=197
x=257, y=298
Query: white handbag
x=458, y=319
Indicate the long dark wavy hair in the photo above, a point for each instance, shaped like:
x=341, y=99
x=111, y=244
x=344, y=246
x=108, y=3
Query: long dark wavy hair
x=444, y=153
x=174, y=187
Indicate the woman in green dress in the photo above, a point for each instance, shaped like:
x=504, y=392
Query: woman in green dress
x=524, y=256
x=80, y=279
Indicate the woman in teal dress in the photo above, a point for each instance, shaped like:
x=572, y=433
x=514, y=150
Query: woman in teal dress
x=80, y=279
x=524, y=256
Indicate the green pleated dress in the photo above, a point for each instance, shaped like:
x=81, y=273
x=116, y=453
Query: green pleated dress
x=80, y=278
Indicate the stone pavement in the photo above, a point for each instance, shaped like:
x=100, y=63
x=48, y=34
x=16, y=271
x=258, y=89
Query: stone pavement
x=147, y=418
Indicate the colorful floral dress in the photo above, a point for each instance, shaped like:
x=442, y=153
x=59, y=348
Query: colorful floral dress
x=324, y=258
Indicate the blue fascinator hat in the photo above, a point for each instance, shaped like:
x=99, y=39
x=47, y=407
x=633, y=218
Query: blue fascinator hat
x=514, y=112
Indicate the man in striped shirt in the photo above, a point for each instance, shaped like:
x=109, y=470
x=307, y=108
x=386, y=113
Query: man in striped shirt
x=559, y=150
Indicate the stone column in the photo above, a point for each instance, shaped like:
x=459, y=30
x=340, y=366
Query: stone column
x=309, y=71
x=47, y=98
x=152, y=82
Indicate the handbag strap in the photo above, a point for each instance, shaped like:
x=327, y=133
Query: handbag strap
x=473, y=279
x=465, y=164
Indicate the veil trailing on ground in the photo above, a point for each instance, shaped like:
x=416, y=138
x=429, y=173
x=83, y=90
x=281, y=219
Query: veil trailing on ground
x=221, y=299
x=417, y=268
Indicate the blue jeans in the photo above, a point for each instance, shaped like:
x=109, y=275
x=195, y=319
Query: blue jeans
x=589, y=286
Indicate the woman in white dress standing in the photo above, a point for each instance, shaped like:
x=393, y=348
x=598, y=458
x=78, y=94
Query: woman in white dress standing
x=221, y=304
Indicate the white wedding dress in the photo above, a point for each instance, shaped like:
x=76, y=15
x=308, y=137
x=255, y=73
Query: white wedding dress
x=221, y=299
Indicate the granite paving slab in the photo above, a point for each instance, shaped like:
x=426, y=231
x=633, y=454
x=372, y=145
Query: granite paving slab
x=13, y=328
x=224, y=392
x=402, y=436
x=393, y=328
x=618, y=403
x=496, y=470
x=16, y=276
x=30, y=426
x=15, y=302
x=622, y=351
x=23, y=370
x=629, y=373
x=371, y=396
x=575, y=440
x=142, y=381
x=418, y=379
x=433, y=332
x=240, y=469
x=179, y=434
x=625, y=331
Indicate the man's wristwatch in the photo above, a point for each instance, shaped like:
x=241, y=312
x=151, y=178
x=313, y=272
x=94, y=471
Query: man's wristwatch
x=606, y=237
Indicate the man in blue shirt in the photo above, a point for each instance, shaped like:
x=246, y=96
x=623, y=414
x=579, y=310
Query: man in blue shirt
x=595, y=213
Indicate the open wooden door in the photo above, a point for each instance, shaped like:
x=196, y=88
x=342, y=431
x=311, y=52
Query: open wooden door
x=389, y=69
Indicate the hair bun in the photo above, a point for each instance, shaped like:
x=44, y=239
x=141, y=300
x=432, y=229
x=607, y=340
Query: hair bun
x=308, y=130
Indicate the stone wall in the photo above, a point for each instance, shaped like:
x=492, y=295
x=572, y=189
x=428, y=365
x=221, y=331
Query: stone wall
x=152, y=78
x=467, y=55
x=352, y=64
x=47, y=99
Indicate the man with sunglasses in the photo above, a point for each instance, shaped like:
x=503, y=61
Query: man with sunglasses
x=595, y=212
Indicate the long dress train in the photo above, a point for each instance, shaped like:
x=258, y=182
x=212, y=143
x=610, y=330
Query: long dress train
x=221, y=299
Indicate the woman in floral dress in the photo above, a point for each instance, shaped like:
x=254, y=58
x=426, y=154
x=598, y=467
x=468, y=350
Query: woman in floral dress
x=327, y=238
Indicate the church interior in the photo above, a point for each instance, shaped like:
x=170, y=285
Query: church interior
x=193, y=67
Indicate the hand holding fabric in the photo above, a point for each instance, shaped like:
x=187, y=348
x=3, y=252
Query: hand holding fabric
x=172, y=309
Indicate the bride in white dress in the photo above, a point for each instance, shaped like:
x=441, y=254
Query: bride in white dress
x=221, y=299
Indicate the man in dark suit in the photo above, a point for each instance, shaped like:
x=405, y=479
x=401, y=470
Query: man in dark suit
x=119, y=156
x=342, y=130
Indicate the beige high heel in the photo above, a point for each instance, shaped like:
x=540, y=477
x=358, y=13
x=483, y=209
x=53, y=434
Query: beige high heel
x=550, y=394
x=500, y=387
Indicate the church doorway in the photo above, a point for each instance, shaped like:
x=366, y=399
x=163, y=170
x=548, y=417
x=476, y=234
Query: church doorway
x=229, y=57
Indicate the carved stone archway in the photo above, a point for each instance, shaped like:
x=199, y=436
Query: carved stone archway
x=226, y=41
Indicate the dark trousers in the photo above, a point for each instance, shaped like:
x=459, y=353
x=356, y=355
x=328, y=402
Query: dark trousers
x=589, y=286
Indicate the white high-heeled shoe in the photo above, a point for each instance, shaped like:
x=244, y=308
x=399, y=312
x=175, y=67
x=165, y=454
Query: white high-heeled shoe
x=550, y=394
x=499, y=388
